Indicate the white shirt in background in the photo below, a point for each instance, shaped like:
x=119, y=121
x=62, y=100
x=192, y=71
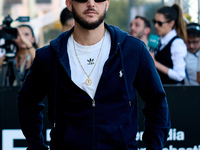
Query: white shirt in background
x=191, y=67
x=178, y=54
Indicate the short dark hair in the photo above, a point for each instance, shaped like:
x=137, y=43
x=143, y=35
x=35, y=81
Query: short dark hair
x=146, y=21
x=193, y=30
x=65, y=15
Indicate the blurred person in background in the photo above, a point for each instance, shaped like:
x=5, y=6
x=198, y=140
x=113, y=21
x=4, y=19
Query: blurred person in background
x=193, y=54
x=140, y=27
x=66, y=19
x=169, y=58
x=25, y=53
x=26, y=47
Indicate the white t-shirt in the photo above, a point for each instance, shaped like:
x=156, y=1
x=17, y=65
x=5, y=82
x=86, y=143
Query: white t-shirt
x=88, y=56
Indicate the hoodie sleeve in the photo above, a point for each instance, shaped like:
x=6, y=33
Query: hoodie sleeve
x=29, y=101
x=156, y=112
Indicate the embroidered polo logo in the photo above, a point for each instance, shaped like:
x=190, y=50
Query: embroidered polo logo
x=120, y=73
x=90, y=61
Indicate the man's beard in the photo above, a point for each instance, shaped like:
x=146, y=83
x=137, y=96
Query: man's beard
x=86, y=25
x=140, y=34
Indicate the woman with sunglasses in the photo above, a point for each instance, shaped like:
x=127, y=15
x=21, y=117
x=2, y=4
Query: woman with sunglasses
x=170, y=54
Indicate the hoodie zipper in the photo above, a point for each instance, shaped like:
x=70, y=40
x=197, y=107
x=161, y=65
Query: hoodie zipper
x=93, y=103
x=94, y=123
x=55, y=88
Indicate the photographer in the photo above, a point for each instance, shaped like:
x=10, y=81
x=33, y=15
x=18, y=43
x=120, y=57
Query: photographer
x=26, y=47
x=25, y=53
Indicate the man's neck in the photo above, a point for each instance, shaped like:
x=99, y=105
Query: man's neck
x=144, y=39
x=88, y=37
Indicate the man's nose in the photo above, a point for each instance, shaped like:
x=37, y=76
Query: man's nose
x=132, y=27
x=90, y=3
x=156, y=25
x=191, y=45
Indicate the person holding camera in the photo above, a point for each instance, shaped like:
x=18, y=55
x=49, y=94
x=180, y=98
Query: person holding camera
x=25, y=53
x=26, y=47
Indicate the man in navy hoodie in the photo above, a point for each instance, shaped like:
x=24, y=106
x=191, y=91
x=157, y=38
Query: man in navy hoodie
x=90, y=75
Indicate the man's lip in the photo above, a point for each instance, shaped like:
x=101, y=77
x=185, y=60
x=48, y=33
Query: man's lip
x=90, y=12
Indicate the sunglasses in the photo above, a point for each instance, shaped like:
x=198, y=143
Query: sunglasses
x=159, y=22
x=84, y=1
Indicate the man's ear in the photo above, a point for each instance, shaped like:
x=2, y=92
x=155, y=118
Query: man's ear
x=147, y=30
x=172, y=23
x=68, y=3
x=107, y=4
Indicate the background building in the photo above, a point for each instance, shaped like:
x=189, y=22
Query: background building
x=44, y=14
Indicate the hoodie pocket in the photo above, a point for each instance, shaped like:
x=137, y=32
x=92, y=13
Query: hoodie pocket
x=123, y=136
x=57, y=136
x=111, y=137
x=79, y=138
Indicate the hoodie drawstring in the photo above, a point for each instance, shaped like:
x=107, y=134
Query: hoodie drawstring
x=55, y=89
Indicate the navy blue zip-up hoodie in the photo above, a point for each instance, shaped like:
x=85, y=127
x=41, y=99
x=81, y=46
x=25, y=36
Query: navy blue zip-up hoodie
x=112, y=123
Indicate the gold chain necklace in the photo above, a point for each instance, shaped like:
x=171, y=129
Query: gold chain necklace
x=88, y=80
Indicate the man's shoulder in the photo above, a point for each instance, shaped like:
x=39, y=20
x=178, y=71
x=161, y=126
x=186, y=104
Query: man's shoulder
x=134, y=42
x=134, y=39
x=53, y=45
x=123, y=36
x=45, y=53
x=44, y=49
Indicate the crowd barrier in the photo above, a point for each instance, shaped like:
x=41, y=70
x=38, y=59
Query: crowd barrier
x=184, y=104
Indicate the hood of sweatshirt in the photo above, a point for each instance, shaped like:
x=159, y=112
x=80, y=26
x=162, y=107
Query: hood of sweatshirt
x=59, y=44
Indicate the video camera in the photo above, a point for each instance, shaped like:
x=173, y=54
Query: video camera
x=9, y=34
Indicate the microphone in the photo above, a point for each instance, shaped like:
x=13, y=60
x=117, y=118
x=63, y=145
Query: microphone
x=153, y=42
